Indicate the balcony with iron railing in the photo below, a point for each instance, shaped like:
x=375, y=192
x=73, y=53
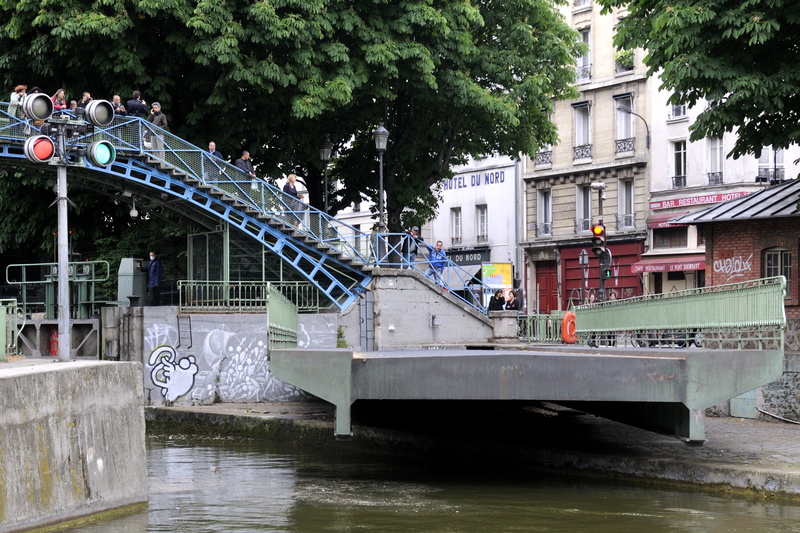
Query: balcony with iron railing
x=583, y=73
x=544, y=229
x=678, y=182
x=582, y=152
x=714, y=178
x=582, y=225
x=622, y=67
x=624, y=145
x=626, y=220
x=770, y=175
x=543, y=158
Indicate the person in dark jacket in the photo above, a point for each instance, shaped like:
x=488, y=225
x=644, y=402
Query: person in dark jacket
x=512, y=304
x=497, y=302
x=136, y=106
x=155, y=279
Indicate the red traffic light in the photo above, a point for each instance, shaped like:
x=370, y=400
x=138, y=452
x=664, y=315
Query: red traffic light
x=39, y=149
x=598, y=239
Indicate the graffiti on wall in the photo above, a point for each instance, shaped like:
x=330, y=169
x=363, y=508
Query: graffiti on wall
x=734, y=267
x=175, y=377
x=220, y=364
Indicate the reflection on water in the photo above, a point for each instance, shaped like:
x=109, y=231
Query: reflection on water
x=230, y=485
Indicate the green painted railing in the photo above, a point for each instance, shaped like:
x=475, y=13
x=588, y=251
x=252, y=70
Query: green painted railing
x=243, y=296
x=742, y=315
x=540, y=328
x=282, y=321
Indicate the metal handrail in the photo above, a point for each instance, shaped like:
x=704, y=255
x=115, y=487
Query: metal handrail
x=137, y=137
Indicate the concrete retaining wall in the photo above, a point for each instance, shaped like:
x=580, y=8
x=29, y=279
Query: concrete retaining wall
x=202, y=358
x=71, y=441
x=407, y=313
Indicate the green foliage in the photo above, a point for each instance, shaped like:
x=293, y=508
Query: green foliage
x=448, y=78
x=739, y=55
x=340, y=341
x=624, y=58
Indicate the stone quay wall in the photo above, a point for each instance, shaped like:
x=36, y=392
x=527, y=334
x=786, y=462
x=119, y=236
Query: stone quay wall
x=72, y=441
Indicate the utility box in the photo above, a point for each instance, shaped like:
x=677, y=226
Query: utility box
x=131, y=281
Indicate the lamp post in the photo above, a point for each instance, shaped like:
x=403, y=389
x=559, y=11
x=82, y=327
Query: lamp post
x=626, y=109
x=325, y=156
x=381, y=135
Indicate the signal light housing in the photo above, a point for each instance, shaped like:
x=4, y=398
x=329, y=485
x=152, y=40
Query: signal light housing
x=100, y=113
x=599, y=239
x=101, y=153
x=37, y=106
x=39, y=149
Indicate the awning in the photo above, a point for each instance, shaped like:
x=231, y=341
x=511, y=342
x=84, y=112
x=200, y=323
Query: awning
x=461, y=276
x=675, y=263
x=662, y=220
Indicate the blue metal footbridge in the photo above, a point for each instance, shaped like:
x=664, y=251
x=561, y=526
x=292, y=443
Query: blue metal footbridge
x=168, y=172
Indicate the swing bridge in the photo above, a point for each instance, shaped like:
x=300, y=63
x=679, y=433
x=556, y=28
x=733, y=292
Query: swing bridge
x=740, y=328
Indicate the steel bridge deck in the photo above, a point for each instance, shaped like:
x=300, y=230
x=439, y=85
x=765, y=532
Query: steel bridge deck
x=661, y=390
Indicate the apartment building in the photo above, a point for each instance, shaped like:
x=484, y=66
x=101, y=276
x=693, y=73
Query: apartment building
x=622, y=133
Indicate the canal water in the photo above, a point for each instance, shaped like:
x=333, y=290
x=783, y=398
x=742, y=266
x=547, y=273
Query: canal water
x=203, y=484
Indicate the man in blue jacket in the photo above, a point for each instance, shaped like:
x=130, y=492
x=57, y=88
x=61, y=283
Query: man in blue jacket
x=438, y=260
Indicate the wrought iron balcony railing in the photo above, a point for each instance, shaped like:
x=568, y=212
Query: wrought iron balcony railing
x=624, y=145
x=714, y=178
x=678, y=182
x=582, y=152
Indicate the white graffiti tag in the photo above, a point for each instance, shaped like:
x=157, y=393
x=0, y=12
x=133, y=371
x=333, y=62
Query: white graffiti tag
x=733, y=266
x=175, y=378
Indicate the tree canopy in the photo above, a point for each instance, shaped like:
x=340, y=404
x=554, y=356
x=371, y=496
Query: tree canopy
x=448, y=78
x=738, y=55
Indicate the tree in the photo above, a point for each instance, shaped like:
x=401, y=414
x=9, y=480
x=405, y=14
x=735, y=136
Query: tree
x=447, y=77
x=738, y=55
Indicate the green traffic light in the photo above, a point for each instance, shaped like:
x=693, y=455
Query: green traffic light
x=101, y=153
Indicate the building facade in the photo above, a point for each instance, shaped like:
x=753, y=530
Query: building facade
x=622, y=134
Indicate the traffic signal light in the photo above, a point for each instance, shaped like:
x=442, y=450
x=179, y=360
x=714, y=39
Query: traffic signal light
x=39, y=149
x=599, y=239
x=101, y=153
x=100, y=113
x=37, y=106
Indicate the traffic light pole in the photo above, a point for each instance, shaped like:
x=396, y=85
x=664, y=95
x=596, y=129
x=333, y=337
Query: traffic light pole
x=601, y=296
x=62, y=243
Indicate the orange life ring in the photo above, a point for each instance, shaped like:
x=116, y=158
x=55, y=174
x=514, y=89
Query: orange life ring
x=568, y=328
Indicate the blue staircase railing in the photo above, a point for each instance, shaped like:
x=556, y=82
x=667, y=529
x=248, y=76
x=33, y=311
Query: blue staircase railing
x=310, y=231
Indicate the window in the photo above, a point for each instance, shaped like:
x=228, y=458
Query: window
x=584, y=208
x=624, y=119
x=624, y=140
x=583, y=69
x=544, y=224
x=582, y=131
x=716, y=158
x=482, y=216
x=678, y=111
x=778, y=262
x=455, y=225
x=670, y=237
x=678, y=164
x=626, y=204
x=770, y=164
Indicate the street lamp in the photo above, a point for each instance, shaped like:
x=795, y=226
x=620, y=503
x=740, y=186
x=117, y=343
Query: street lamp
x=325, y=156
x=626, y=109
x=381, y=138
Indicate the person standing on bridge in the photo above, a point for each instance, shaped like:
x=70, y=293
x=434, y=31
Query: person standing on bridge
x=158, y=119
x=411, y=246
x=437, y=259
x=15, y=107
x=119, y=109
x=155, y=278
x=136, y=106
x=293, y=203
